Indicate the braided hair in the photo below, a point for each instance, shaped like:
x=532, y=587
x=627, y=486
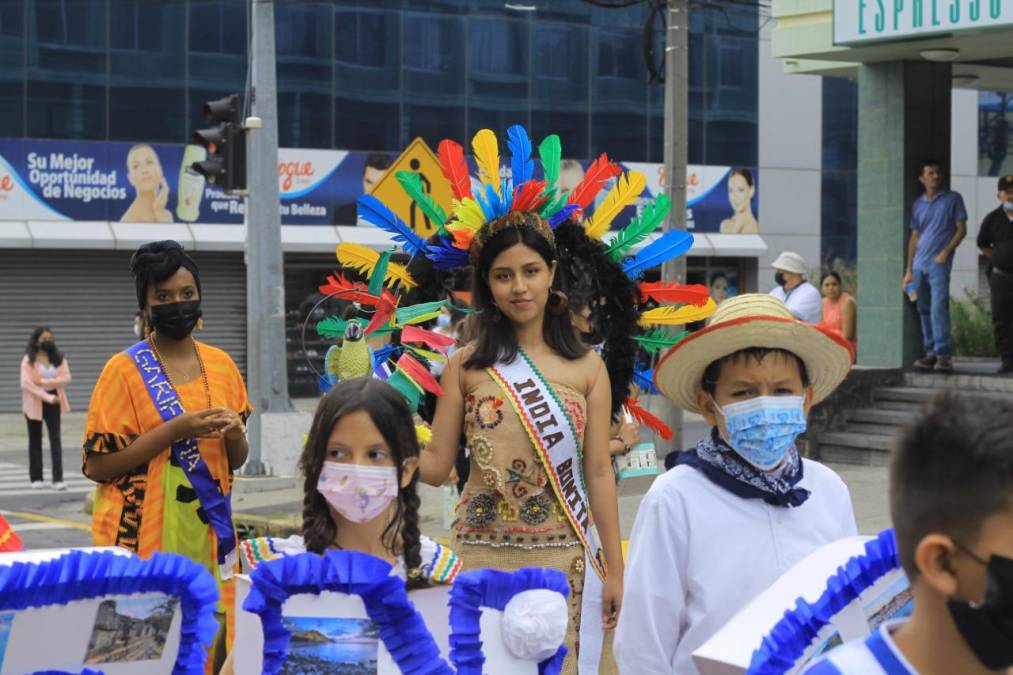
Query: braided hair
x=389, y=412
x=155, y=262
x=592, y=279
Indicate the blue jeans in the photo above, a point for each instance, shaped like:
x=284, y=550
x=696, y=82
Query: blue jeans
x=933, y=285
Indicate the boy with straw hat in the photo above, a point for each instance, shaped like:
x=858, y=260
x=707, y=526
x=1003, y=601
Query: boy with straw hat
x=741, y=508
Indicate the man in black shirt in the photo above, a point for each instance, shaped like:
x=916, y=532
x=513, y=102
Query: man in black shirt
x=995, y=240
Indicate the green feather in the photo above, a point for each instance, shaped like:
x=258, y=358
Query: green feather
x=425, y=311
x=331, y=328
x=411, y=182
x=658, y=340
x=404, y=385
x=379, y=273
x=640, y=227
x=551, y=153
x=553, y=206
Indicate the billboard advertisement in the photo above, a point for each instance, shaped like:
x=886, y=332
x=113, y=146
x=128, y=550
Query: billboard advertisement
x=151, y=183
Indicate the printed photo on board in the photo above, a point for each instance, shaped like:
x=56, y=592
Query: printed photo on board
x=130, y=629
x=336, y=646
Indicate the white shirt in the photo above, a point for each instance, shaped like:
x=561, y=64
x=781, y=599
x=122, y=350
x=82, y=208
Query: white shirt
x=803, y=301
x=699, y=553
x=876, y=655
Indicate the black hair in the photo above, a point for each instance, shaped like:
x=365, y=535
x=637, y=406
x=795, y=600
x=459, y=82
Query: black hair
x=744, y=172
x=392, y=417
x=926, y=163
x=155, y=262
x=833, y=274
x=32, y=350
x=378, y=160
x=591, y=279
x=495, y=339
x=712, y=373
x=952, y=469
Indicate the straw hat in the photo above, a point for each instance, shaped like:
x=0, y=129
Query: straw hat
x=752, y=320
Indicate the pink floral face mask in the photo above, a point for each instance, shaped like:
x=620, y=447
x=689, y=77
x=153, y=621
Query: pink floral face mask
x=359, y=493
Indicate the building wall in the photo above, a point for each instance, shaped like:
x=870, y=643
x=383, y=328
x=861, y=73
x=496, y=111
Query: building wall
x=790, y=140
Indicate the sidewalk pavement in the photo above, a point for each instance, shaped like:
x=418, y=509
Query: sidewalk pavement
x=275, y=504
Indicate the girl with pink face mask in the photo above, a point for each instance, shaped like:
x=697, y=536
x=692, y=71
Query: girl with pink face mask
x=360, y=467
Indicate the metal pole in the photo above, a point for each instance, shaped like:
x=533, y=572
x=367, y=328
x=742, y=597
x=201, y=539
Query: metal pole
x=676, y=149
x=265, y=289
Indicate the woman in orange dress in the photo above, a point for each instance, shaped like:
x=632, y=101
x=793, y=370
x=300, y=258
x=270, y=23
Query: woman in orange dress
x=166, y=429
x=840, y=311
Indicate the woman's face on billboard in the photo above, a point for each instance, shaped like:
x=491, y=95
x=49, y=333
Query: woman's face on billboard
x=740, y=193
x=144, y=171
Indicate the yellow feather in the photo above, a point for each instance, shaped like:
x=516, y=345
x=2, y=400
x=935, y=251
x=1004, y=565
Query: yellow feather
x=673, y=316
x=486, y=149
x=625, y=193
x=469, y=214
x=399, y=273
x=427, y=354
x=358, y=257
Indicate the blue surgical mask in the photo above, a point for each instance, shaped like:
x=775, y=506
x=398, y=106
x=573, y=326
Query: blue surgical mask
x=443, y=320
x=763, y=429
x=1008, y=206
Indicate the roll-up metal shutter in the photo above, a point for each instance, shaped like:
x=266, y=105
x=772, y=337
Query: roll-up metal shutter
x=87, y=298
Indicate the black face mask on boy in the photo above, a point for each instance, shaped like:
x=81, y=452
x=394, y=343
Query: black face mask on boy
x=988, y=628
x=175, y=320
x=779, y=278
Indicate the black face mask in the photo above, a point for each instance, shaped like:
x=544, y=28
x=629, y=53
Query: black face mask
x=175, y=320
x=779, y=278
x=988, y=628
x=47, y=346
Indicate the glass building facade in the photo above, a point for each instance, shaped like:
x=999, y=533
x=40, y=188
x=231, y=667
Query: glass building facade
x=839, y=218
x=374, y=74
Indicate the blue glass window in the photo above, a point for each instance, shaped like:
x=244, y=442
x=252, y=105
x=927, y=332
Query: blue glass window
x=217, y=58
x=618, y=95
x=433, y=75
x=304, y=46
x=67, y=70
x=995, y=124
x=559, y=96
x=498, y=74
x=839, y=204
x=367, y=87
x=147, y=89
x=12, y=68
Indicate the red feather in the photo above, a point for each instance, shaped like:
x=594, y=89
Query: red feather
x=385, y=309
x=648, y=420
x=9, y=540
x=455, y=168
x=528, y=197
x=338, y=286
x=660, y=291
x=422, y=377
x=438, y=342
x=599, y=173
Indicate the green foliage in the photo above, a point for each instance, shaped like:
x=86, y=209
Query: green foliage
x=971, y=326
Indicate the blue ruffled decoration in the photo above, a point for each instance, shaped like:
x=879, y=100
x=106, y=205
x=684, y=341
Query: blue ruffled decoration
x=401, y=627
x=492, y=588
x=86, y=671
x=83, y=575
x=787, y=641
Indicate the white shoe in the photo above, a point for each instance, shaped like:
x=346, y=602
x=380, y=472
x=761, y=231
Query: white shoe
x=38, y=485
x=60, y=485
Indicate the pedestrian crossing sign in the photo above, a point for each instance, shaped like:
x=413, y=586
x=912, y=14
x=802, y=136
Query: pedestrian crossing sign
x=417, y=157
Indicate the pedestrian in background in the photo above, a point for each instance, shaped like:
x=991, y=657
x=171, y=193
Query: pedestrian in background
x=938, y=225
x=799, y=296
x=44, y=375
x=995, y=240
x=840, y=311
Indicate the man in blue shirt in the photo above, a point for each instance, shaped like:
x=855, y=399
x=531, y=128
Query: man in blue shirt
x=938, y=225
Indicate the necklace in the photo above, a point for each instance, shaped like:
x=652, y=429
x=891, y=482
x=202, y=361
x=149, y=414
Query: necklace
x=200, y=362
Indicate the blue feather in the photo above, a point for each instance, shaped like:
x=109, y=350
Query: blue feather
x=562, y=215
x=372, y=210
x=521, y=165
x=671, y=245
x=492, y=206
x=447, y=257
x=385, y=353
x=645, y=380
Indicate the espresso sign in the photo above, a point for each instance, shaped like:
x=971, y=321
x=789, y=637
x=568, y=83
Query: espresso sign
x=860, y=21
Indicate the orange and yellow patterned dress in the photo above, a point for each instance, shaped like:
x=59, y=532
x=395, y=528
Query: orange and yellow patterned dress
x=154, y=507
x=508, y=516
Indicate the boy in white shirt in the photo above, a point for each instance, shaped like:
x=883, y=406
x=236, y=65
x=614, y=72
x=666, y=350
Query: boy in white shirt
x=951, y=498
x=741, y=508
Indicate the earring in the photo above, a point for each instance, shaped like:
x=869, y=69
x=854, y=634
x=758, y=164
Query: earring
x=557, y=303
x=200, y=323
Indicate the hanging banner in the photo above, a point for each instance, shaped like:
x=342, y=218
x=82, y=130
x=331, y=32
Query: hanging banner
x=152, y=183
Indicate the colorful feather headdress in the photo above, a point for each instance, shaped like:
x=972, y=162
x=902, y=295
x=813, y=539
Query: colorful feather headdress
x=483, y=207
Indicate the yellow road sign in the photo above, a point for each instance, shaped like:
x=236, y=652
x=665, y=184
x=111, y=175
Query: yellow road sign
x=419, y=158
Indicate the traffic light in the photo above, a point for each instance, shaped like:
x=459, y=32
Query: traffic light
x=225, y=166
